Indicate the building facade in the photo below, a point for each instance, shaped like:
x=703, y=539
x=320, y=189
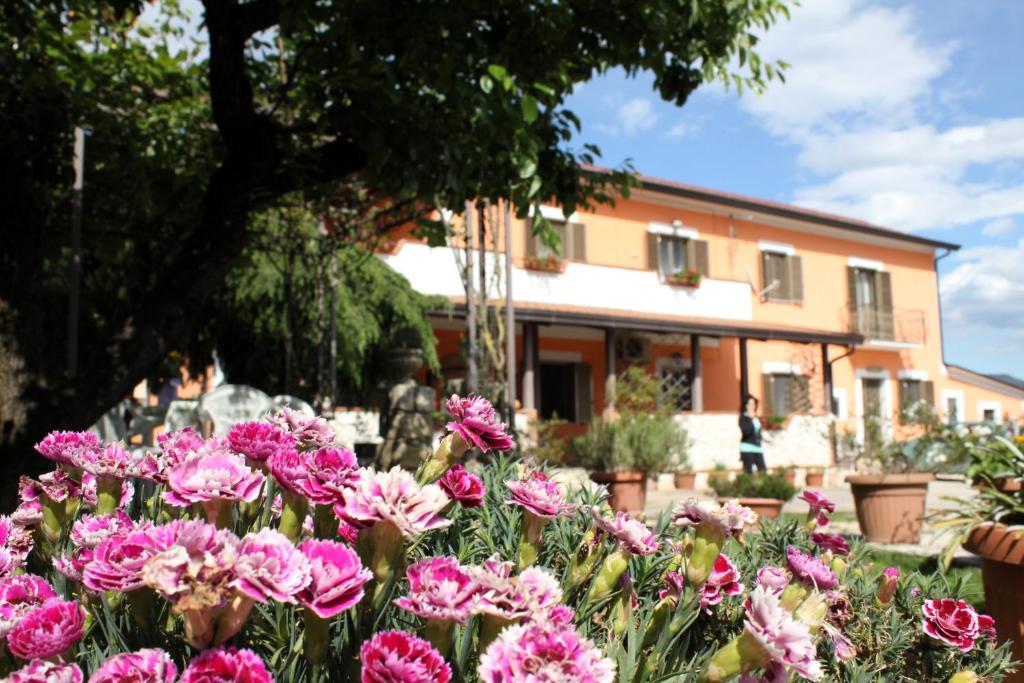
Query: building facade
x=833, y=324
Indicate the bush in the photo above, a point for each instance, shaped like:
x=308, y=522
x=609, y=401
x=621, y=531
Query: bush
x=753, y=486
x=633, y=442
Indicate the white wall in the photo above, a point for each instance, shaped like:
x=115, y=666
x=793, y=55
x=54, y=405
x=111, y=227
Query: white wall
x=715, y=438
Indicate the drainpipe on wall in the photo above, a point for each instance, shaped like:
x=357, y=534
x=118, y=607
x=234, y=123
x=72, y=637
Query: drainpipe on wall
x=938, y=293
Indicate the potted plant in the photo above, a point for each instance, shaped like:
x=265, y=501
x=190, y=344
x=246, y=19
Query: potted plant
x=684, y=477
x=815, y=477
x=550, y=263
x=788, y=473
x=991, y=525
x=685, y=278
x=765, y=494
x=773, y=423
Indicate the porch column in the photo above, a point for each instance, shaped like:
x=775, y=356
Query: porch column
x=744, y=380
x=609, y=369
x=530, y=369
x=697, y=382
x=826, y=376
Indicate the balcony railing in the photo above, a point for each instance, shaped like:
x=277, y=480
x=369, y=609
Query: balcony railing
x=899, y=325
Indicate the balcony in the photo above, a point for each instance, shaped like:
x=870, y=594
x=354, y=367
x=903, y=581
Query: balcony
x=896, y=329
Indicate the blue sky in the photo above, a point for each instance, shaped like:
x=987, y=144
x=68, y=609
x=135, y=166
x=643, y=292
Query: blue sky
x=909, y=115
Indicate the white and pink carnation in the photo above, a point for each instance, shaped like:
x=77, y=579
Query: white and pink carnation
x=539, y=496
x=394, y=497
x=476, y=422
x=953, y=622
x=269, y=567
x=199, y=561
x=440, y=589
x=544, y=651
x=19, y=595
x=150, y=665
x=257, y=441
x=89, y=531
x=729, y=518
x=723, y=580
x=309, y=431
x=400, y=657
x=212, y=474
x=65, y=447
x=784, y=640
x=631, y=534
x=290, y=468
x=43, y=671
x=337, y=578
x=530, y=595
x=117, y=562
x=331, y=472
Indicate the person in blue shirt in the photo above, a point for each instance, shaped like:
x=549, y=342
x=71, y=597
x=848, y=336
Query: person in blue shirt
x=751, y=452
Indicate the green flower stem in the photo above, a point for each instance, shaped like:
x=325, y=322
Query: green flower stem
x=622, y=610
x=143, y=605
x=439, y=633
x=293, y=514
x=707, y=545
x=740, y=655
x=451, y=448
x=530, y=539
x=325, y=523
x=793, y=596
x=582, y=566
x=108, y=494
x=658, y=621
x=382, y=549
x=219, y=512
x=317, y=637
x=607, y=579
x=54, y=516
x=489, y=630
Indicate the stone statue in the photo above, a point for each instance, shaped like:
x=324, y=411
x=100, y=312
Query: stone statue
x=408, y=427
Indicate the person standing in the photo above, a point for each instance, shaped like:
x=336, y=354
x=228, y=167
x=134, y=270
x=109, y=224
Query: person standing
x=751, y=452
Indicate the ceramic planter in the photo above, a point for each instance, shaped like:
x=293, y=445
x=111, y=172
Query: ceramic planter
x=766, y=508
x=546, y=266
x=1001, y=549
x=627, y=491
x=686, y=480
x=815, y=479
x=890, y=507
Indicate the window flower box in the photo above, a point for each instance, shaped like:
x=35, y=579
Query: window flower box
x=546, y=264
x=685, y=278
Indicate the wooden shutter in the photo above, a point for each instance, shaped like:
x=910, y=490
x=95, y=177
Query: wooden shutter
x=796, y=278
x=766, y=272
x=531, y=239
x=883, y=289
x=697, y=256
x=583, y=392
x=766, y=394
x=652, y=251
x=928, y=393
x=851, y=307
x=579, y=242
x=800, y=393
x=902, y=396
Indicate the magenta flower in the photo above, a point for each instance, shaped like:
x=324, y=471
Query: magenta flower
x=90, y=530
x=151, y=665
x=631, y=534
x=90, y=489
x=42, y=671
x=309, y=431
x=212, y=474
x=951, y=621
x=810, y=569
x=72, y=566
x=833, y=543
x=539, y=495
x=174, y=448
x=730, y=518
x=269, y=566
x=723, y=580
x=533, y=593
x=784, y=640
x=117, y=562
x=258, y=441
x=540, y=651
x=394, y=497
x=561, y=614
x=772, y=578
x=674, y=585
x=337, y=578
x=289, y=469
x=227, y=665
x=475, y=420
x=48, y=630
x=196, y=566
x=58, y=486
x=440, y=588
x=112, y=461
x=461, y=486
x=393, y=656
x=64, y=447
x=819, y=505
x=15, y=539
x=19, y=595
x=331, y=472
x=987, y=627
x=887, y=583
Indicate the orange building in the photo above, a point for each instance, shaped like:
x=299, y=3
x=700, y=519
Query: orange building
x=826, y=319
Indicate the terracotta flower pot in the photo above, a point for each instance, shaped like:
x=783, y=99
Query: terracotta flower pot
x=627, y=491
x=815, y=479
x=890, y=507
x=686, y=480
x=766, y=508
x=790, y=476
x=1001, y=549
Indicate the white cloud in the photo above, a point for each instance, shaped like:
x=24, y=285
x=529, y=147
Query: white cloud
x=999, y=227
x=981, y=296
x=682, y=130
x=636, y=115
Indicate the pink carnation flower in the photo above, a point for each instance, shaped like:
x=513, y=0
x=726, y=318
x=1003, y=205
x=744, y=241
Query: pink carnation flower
x=461, y=486
x=393, y=656
x=772, y=578
x=89, y=531
x=174, y=448
x=72, y=566
x=819, y=505
x=810, y=569
x=784, y=640
x=337, y=578
x=723, y=580
x=269, y=566
x=90, y=490
x=631, y=534
x=309, y=431
x=48, y=630
x=42, y=671
x=151, y=665
x=30, y=508
x=289, y=469
x=475, y=420
x=118, y=560
x=530, y=595
x=58, y=486
x=212, y=474
x=64, y=447
x=730, y=518
x=539, y=495
x=833, y=543
x=394, y=497
x=199, y=562
x=112, y=461
x=951, y=621
x=227, y=665
x=440, y=588
x=258, y=441
x=674, y=585
x=15, y=539
x=541, y=651
x=331, y=472
x=19, y=595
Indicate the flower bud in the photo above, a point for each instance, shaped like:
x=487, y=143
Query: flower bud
x=887, y=583
x=965, y=676
x=707, y=545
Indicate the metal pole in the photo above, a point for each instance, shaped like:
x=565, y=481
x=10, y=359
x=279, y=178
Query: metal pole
x=510, y=321
x=471, y=371
x=530, y=366
x=826, y=376
x=334, y=332
x=609, y=370
x=75, y=267
x=697, y=368
x=744, y=382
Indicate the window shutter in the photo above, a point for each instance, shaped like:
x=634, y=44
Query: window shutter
x=800, y=393
x=583, y=392
x=928, y=393
x=886, y=325
x=652, y=251
x=766, y=394
x=699, y=250
x=531, y=239
x=766, y=272
x=796, y=278
x=579, y=242
x=852, y=309
x=902, y=395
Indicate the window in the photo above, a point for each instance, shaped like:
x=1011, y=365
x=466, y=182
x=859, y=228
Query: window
x=572, y=236
x=676, y=377
x=870, y=296
x=990, y=411
x=952, y=410
x=782, y=276
x=988, y=415
x=914, y=392
x=565, y=391
x=672, y=254
x=785, y=393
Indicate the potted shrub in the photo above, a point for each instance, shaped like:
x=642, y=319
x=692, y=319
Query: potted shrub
x=815, y=477
x=685, y=278
x=991, y=526
x=545, y=264
x=773, y=423
x=788, y=473
x=765, y=494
